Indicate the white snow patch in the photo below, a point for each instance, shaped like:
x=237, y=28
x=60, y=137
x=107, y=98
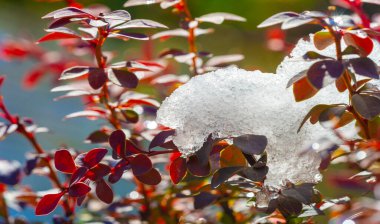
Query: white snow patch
x=231, y=102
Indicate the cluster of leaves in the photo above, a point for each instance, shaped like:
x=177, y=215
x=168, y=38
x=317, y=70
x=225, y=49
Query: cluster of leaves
x=189, y=28
x=107, y=88
x=351, y=70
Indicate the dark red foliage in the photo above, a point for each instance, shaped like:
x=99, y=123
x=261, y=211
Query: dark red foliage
x=178, y=169
x=57, y=36
x=48, y=203
x=152, y=177
x=104, y=192
x=222, y=170
x=79, y=189
x=93, y=157
x=117, y=142
x=141, y=164
x=64, y=162
x=98, y=172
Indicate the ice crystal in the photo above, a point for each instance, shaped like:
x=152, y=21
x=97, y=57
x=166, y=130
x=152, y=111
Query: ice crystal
x=231, y=102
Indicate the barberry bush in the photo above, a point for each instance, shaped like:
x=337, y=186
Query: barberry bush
x=185, y=136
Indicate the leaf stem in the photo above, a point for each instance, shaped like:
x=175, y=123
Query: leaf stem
x=191, y=38
x=4, y=207
x=101, y=61
x=346, y=77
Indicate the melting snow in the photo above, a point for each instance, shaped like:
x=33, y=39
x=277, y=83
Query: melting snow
x=231, y=102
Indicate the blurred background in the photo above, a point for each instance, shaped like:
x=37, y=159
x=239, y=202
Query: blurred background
x=22, y=18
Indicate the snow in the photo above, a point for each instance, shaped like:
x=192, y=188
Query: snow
x=295, y=63
x=231, y=102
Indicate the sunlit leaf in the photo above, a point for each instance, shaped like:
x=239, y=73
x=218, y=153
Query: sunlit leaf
x=323, y=39
x=178, y=170
x=322, y=73
x=64, y=161
x=48, y=203
x=232, y=156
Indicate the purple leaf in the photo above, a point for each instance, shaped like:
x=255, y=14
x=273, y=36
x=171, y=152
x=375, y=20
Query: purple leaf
x=123, y=78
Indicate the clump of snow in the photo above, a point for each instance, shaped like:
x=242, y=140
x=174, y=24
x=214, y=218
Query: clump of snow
x=231, y=102
x=294, y=63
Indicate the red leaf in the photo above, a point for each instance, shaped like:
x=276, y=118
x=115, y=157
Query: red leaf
x=322, y=73
x=48, y=203
x=75, y=72
x=160, y=138
x=80, y=200
x=178, y=170
x=59, y=22
x=303, y=90
x=94, y=156
x=67, y=12
x=196, y=168
x=98, y=172
x=2, y=78
x=141, y=164
x=131, y=148
x=64, y=162
x=79, y=189
x=57, y=36
x=104, y=192
x=123, y=78
x=117, y=171
x=117, y=142
x=78, y=174
x=364, y=45
x=152, y=177
x=32, y=77
x=97, y=78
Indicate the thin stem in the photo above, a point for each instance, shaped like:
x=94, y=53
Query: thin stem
x=37, y=147
x=52, y=173
x=228, y=211
x=4, y=208
x=191, y=38
x=101, y=61
x=146, y=211
x=346, y=77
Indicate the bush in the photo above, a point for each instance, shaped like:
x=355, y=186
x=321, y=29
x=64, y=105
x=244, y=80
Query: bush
x=227, y=146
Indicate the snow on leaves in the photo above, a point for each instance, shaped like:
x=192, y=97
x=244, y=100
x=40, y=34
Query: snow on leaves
x=233, y=102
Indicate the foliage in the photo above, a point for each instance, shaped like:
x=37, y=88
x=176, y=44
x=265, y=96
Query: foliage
x=210, y=184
